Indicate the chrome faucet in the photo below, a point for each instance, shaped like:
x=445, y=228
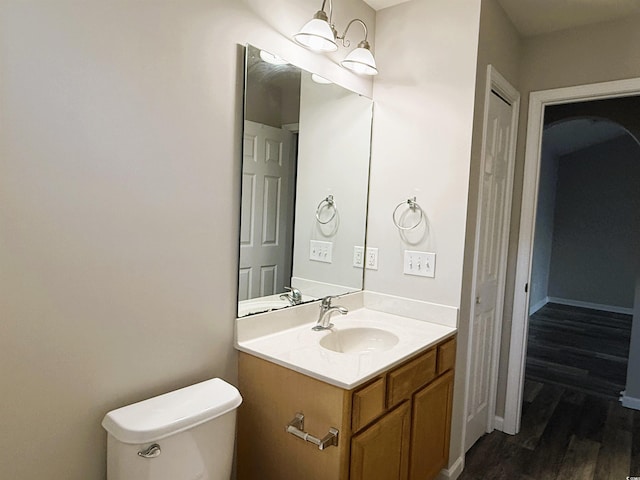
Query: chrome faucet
x=294, y=297
x=326, y=310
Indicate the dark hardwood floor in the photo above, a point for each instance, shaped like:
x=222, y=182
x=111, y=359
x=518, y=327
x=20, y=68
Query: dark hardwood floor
x=565, y=435
x=581, y=348
x=573, y=426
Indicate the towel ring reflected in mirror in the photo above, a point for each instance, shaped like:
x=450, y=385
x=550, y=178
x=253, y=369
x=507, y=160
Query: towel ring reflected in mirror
x=326, y=204
x=413, y=206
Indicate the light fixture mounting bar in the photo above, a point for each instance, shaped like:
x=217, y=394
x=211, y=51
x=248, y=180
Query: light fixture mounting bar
x=324, y=2
x=347, y=43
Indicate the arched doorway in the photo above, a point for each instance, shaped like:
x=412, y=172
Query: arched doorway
x=539, y=103
x=583, y=270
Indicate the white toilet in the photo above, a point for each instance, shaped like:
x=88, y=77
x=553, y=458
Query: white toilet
x=187, y=434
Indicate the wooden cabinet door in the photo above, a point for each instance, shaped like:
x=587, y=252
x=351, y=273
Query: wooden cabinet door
x=381, y=452
x=431, y=429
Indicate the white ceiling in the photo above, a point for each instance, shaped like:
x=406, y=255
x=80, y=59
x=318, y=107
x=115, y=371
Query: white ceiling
x=535, y=17
x=380, y=4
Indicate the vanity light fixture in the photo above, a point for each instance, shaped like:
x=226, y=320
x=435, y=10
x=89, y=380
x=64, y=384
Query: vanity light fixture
x=320, y=35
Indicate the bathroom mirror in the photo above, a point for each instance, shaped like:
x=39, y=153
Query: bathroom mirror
x=305, y=178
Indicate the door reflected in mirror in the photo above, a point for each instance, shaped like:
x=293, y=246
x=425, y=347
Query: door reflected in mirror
x=305, y=177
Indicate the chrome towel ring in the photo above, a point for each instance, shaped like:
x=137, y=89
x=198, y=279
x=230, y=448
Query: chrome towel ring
x=413, y=206
x=327, y=203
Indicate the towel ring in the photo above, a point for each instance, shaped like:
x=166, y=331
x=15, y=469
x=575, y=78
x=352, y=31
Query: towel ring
x=328, y=202
x=413, y=206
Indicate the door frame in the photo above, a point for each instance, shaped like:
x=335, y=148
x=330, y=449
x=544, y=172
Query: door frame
x=538, y=100
x=494, y=82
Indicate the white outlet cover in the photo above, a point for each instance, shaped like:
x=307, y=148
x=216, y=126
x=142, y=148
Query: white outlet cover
x=371, y=259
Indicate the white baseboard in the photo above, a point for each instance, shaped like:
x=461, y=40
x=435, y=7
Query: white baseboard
x=629, y=402
x=452, y=472
x=594, y=306
x=534, y=308
x=498, y=423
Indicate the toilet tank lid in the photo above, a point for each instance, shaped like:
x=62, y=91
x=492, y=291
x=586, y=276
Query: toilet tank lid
x=173, y=412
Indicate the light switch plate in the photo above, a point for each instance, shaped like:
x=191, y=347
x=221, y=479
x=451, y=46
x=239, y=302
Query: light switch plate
x=422, y=264
x=320, y=251
x=358, y=257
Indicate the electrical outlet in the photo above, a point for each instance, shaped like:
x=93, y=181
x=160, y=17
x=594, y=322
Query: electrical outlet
x=320, y=251
x=422, y=264
x=372, y=258
x=358, y=257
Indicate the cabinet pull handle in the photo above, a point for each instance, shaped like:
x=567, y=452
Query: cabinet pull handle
x=296, y=427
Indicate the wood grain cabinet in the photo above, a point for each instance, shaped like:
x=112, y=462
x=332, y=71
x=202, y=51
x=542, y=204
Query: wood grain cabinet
x=394, y=427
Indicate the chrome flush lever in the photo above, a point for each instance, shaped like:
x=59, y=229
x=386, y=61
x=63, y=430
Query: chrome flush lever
x=152, y=451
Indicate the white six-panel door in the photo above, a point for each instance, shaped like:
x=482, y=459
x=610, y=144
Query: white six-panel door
x=493, y=224
x=264, y=249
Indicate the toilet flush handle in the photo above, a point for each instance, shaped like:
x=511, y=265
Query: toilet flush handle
x=152, y=451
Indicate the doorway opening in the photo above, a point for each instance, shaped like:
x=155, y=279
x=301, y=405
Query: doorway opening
x=585, y=242
x=540, y=103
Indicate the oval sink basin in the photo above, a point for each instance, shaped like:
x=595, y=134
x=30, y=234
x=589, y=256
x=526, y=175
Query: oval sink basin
x=359, y=340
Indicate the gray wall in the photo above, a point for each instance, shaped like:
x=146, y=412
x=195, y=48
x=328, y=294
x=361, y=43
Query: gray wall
x=421, y=142
x=543, y=240
x=499, y=45
x=333, y=159
x=119, y=161
x=595, y=240
x=590, y=54
x=119, y=153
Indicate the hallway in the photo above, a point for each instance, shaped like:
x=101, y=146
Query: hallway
x=566, y=434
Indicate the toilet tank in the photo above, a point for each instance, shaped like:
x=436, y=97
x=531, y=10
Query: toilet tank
x=187, y=434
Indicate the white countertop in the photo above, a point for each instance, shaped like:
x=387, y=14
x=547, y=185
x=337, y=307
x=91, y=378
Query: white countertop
x=299, y=349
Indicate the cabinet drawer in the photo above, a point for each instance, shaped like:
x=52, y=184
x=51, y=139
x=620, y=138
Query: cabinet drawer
x=407, y=379
x=368, y=404
x=446, y=356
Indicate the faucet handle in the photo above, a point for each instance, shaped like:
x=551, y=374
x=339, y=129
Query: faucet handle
x=326, y=301
x=294, y=297
x=295, y=293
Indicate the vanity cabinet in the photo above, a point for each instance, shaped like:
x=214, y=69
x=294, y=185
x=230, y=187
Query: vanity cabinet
x=430, y=432
x=380, y=450
x=394, y=427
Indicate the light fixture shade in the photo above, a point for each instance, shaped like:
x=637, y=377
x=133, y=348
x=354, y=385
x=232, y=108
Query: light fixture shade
x=317, y=35
x=361, y=61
